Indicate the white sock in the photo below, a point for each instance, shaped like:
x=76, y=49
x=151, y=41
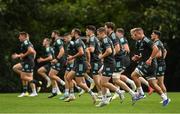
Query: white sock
x=118, y=91
x=89, y=79
x=47, y=78
x=164, y=97
x=54, y=90
x=140, y=90
x=129, y=81
x=104, y=98
x=132, y=93
x=61, y=82
x=66, y=91
x=34, y=90
x=57, y=90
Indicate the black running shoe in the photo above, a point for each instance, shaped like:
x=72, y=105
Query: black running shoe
x=52, y=95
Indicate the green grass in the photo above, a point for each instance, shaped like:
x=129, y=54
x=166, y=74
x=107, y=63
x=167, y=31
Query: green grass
x=9, y=103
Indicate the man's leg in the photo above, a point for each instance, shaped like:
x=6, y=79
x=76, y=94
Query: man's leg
x=42, y=71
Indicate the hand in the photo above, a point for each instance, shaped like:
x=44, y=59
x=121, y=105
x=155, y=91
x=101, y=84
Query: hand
x=70, y=58
x=15, y=56
x=54, y=61
x=21, y=55
x=100, y=56
x=88, y=65
x=40, y=60
x=136, y=57
x=149, y=61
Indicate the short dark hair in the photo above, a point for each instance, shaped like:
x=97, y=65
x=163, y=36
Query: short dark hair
x=157, y=32
x=121, y=30
x=56, y=32
x=23, y=33
x=47, y=39
x=136, y=29
x=66, y=34
x=110, y=25
x=77, y=31
x=101, y=29
x=91, y=27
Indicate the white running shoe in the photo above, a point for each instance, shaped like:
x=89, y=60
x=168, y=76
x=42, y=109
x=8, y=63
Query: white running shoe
x=23, y=94
x=102, y=103
x=70, y=98
x=59, y=93
x=94, y=98
x=115, y=96
x=81, y=93
x=121, y=96
x=33, y=95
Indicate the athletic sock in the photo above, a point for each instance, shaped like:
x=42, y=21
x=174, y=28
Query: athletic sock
x=90, y=92
x=140, y=91
x=164, y=97
x=118, y=91
x=89, y=79
x=34, y=91
x=129, y=81
x=78, y=88
x=132, y=93
x=61, y=82
x=47, y=78
x=54, y=90
x=25, y=88
x=66, y=92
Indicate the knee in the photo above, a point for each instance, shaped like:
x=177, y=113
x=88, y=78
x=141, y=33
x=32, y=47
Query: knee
x=134, y=75
x=68, y=78
x=152, y=83
x=103, y=84
x=39, y=71
x=51, y=74
x=14, y=68
x=115, y=80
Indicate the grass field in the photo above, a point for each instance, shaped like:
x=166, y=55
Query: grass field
x=9, y=103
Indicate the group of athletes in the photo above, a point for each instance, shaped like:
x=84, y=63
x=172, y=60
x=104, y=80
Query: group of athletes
x=103, y=57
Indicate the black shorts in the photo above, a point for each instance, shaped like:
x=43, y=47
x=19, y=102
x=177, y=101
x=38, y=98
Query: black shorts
x=28, y=66
x=47, y=67
x=59, y=66
x=95, y=66
x=108, y=69
x=161, y=67
x=122, y=63
x=69, y=66
x=148, y=71
x=80, y=68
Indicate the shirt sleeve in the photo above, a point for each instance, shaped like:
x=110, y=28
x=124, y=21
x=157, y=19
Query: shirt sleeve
x=78, y=44
x=106, y=43
x=48, y=51
x=92, y=42
x=123, y=41
x=59, y=43
x=148, y=42
x=114, y=39
x=27, y=44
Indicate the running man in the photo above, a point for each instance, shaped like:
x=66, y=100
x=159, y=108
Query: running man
x=147, y=64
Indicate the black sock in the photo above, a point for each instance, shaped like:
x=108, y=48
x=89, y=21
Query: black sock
x=25, y=88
